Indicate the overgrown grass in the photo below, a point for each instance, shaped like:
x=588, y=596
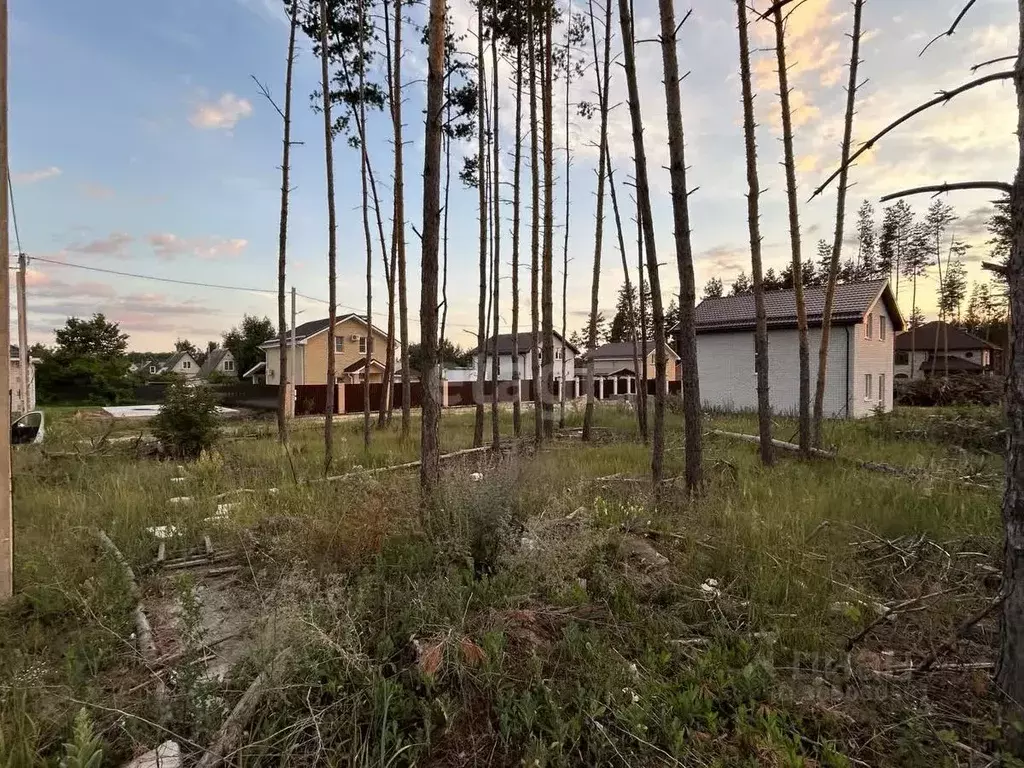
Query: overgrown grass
x=546, y=615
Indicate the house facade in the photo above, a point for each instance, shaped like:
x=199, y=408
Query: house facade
x=503, y=345
x=859, y=376
x=218, y=362
x=307, y=359
x=181, y=364
x=940, y=349
x=613, y=362
x=30, y=381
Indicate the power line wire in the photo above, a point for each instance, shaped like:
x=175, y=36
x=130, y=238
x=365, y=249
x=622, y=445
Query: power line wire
x=14, y=213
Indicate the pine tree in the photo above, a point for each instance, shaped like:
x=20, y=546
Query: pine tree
x=954, y=285
x=624, y=320
x=672, y=317
x=740, y=285
x=713, y=288
x=867, y=267
x=887, y=245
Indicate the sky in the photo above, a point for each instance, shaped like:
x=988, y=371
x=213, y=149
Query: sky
x=141, y=144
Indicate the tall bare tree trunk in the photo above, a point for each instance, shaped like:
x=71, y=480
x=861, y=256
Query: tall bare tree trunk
x=548, y=256
x=603, y=78
x=496, y=228
x=837, y=240
x=332, y=243
x=644, y=335
x=390, y=262
x=643, y=192
x=565, y=242
x=481, y=139
x=764, y=408
x=403, y=285
x=684, y=252
x=284, y=391
x=429, y=443
x=517, y=163
x=1010, y=669
x=794, y=236
x=536, y=382
x=363, y=162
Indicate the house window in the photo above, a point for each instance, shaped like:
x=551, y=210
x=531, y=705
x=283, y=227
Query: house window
x=867, y=386
x=362, y=345
x=869, y=327
x=968, y=354
x=339, y=344
x=558, y=354
x=229, y=365
x=881, y=327
x=902, y=358
x=152, y=369
x=881, y=389
x=185, y=365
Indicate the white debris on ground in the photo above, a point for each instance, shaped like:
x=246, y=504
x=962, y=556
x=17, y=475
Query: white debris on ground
x=163, y=531
x=710, y=588
x=476, y=477
x=167, y=755
x=149, y=411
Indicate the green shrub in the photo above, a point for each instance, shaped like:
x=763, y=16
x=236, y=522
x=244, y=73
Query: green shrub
x=187, y=422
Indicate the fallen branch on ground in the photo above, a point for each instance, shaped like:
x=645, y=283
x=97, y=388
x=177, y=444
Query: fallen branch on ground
x=890, y=613
x=962, y=630
x=407, y=465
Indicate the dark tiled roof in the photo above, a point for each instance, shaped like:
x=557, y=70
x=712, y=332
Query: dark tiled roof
x=313, y=327
x=852, y=301
x=504, y=341
x=172, y=361
x=212, y=360
x=621, y=350
x=941, y=335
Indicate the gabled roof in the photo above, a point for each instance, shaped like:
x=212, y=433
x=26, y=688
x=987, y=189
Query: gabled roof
x=174, y=359
x=504, y=342
x=213, y=361
x=951, y=363
x=313, y=327
x=852, y=302
x=941, y=335
x=260, y=366
x=622, y=350
x=359, y=364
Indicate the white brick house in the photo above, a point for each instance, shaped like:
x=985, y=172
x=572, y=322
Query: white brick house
x=865, y=321
x=504, y=351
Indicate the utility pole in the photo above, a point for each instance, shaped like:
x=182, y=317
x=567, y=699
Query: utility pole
x=23, y=334
x=6, y=519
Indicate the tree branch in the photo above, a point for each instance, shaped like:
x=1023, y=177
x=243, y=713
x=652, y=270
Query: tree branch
x=976, y=67
x=266, y=94
x=952, y=27
x=942, y=98
x=773, y=7
x=940, y=188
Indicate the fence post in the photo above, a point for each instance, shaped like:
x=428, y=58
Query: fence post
x=340, y=399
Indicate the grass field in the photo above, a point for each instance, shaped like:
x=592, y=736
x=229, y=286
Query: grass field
x=545, y=615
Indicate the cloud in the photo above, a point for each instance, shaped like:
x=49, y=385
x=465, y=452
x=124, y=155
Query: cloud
x=169, y=246
x=96, y=191
x=222, y=114
x=31, y=177
x=114, y=244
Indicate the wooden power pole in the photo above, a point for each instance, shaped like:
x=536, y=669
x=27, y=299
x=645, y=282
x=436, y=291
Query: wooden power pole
x=25, y=405
x=6, y=519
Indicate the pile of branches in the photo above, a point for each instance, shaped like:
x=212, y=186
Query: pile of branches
x=961, y=389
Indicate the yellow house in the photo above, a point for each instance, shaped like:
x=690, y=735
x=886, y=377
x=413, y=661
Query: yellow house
x=307, y=361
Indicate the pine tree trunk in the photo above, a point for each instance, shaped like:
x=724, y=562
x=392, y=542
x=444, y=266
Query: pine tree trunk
x=484, y=340
x=548, y=255
x=517, y=162
x=643, y=192
x=603, y=76
x=284, y=392
x=642, y=299
x=403, y=285
x=837, y=240
x=1010, y=669
x=764, y=408
x=684, y=253
x=496, y=229
x=538, y=416
x=429, y=442
x=794, y=237
x=332, y=243
x=390, y=262
x=565, y=242
x=363, y=162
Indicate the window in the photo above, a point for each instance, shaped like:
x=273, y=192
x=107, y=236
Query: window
x=339, y=344
x=968, y=354
x=185, y=365
x=869, y=327
x=881, y=389
x=229, y=365
x=902, y=358
x=362, y=345
x=882, y=323
x=867, y=386
x=558, y=354
x=152, y=369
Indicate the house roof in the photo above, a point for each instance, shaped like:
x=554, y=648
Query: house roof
x=314, y=327
x=951, y=363
x=173, y=360
x=261, y=365
x=359, y=364
x=941, y=335
x=504, y=343
x=212, y=361
x=852, y=302
x=621, y=350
